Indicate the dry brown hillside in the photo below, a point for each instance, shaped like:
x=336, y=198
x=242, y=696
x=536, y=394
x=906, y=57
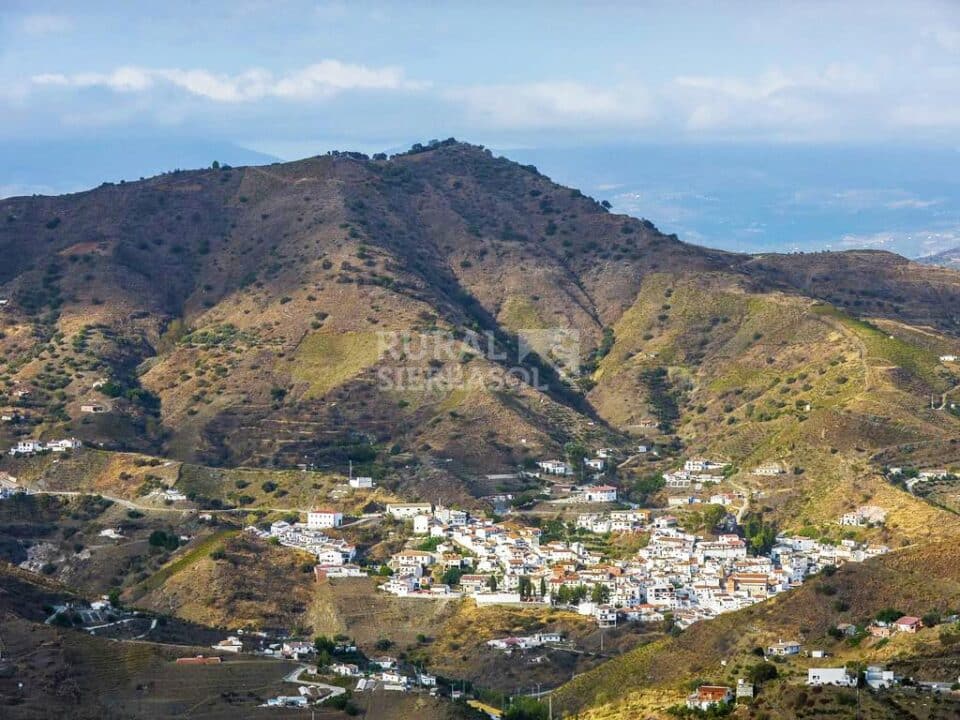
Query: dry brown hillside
x=234, y=315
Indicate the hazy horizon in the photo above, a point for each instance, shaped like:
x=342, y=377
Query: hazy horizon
x=750, y=112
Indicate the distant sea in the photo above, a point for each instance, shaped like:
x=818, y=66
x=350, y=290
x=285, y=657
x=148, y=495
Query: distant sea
x=783, y=198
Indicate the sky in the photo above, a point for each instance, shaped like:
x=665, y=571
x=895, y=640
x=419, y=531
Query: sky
x=289, y=79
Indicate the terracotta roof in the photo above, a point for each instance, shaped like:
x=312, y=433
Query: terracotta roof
x=714, y=693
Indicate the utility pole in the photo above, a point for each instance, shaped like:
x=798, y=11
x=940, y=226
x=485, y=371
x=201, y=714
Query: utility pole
x=550, y=705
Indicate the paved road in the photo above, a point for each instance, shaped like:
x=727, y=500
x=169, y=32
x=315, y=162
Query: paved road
x=123, y=502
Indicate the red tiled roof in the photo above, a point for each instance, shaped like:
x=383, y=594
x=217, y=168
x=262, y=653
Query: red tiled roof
x=714, y=693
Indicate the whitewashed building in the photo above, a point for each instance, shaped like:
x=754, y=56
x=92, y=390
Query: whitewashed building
x=831, y=676
x=408, y=511
x=322, y=518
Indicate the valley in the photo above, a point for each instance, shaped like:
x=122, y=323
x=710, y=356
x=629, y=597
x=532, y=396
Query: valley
x=302, y=399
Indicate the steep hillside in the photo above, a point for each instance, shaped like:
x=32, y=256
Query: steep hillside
x=655, y=676
x=246, y=335
x=273, y=316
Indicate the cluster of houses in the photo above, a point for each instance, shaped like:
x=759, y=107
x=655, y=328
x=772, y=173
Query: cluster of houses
x=686, y=575
x=922, y=477
x=708, y=697
x=597, y=464
x=696, y=473
x=35, y=447
x=724, y=499
x=865, y=515
x=619, y=521
x=597, y=494
x=875, y=677
x=526, y=642
x=333, y=554
x=906, y=624
x=588, y=493
x=386, y=673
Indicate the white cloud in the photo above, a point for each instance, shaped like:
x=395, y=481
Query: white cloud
x=911, y=243
x=856, y=200
x=44, y=24
x=806, y=103
x=947, y=38
x=319, y=80
x=800, y=101
x=925, y=115
x=912, y=204
x=127, y=79
x=835, y=77
x=555, y=104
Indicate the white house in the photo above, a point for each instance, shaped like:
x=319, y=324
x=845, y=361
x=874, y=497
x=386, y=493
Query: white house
x=297, y=649
x=232, y=645
x=555, y=467
x=831, y=676
x=605, y=615
x=768, y=469
x=324, y=518
x=864, y=515
x=948, y=358
x=421, y=525
x=335, y=570
x=449, y=516
x=64, y=445
x=700, y=466
x=26, y=447
x=427, y=680
x=93, y=408
x=394, y=676
x=345, y=669
x=783, y=649
x=408, y=511
x=597, y=464
x=600, y=493
x=678, y=479
x=361, y=483
x=332, y=555
x=877, y=678
x=708, y=696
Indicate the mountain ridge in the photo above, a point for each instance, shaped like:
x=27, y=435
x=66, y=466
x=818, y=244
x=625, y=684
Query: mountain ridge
x=947, y=258
x=210, y=296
